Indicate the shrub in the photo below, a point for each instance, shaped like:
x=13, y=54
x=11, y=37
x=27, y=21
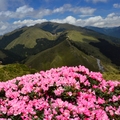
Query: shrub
x=66, y=93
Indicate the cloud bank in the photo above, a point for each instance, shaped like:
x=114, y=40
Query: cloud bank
x=96, y=1
x=25, y=15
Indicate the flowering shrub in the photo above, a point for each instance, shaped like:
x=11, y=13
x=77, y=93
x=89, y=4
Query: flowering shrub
x=66, y=93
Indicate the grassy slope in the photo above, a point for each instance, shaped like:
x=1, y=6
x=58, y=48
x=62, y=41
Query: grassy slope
x=112, y=75
x=56, y=27
x=61, y=55
x=28, y=38
x=83, y=43
x=10, y=71
x=64, y=55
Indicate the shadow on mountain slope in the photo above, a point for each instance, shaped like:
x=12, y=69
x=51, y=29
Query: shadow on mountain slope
x=109, y=50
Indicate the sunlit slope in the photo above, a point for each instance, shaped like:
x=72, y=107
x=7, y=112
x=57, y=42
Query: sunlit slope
x=61, y=27
x=74, y=50
x=46, y=43
x=61, y=55
x=82, y=42
x=29, y=37
x=10, y=71
x=57, y=27
x=85, y=44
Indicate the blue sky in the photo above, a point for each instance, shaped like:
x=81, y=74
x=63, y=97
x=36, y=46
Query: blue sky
x=18, y=13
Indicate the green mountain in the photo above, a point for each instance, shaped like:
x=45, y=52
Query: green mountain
x=75, y=49
x=61, y=55
x=48, y=45
x=54, y=28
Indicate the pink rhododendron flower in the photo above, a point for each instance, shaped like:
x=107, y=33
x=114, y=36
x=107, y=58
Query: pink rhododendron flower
x=58, y=91
x=101, y=101
x=66, y=93
x=114, y=98
x=69, y=93
x=117, y=112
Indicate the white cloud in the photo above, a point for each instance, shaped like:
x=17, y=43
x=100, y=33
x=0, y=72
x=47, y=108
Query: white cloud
x=70, y=20
x=111, y=15
x=3, y=27
x=5, y=15
x=84, y=16
x=96, y=1
x=24, y=9
x=85, y=10
x=20, y=12
x=7, y=27
x=42, y=12
x=65, y=7
x=93, y=20
x=116, y=5
x=76, y=10
x=27, y=16
x=28, y=22
x=111, y=20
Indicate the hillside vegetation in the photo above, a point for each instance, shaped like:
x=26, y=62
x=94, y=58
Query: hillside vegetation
x=61, y=55
x=7, y=57
x=10, y=71
x=65, y=93
x=50, y=45
x=29, y=37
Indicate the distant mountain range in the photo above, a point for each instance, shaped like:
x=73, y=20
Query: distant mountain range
x=47, y=45
x=111, y=31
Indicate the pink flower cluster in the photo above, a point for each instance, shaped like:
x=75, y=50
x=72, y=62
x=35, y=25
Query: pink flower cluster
x=66, y=93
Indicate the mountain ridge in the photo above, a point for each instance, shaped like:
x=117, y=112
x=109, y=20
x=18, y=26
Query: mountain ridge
x=69, y=45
